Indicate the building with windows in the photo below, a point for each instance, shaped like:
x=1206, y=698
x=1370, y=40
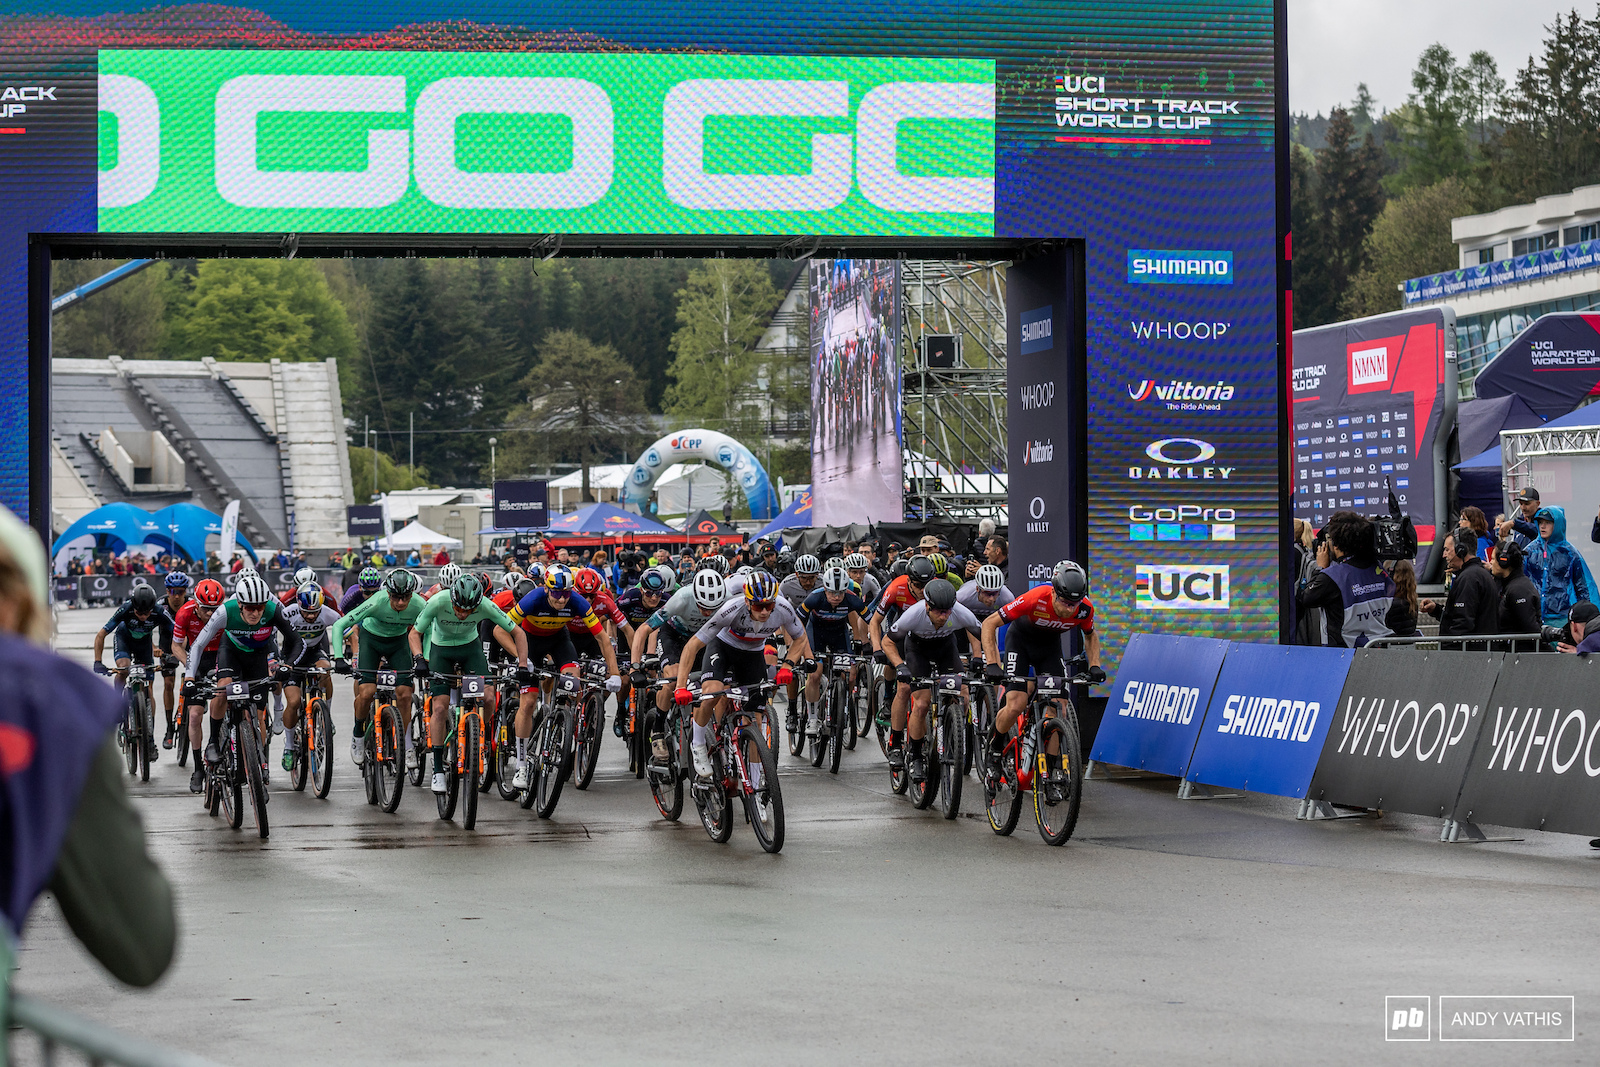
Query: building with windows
x=1516, y=264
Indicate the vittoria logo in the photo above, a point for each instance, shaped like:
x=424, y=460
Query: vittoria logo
x=1037, y=452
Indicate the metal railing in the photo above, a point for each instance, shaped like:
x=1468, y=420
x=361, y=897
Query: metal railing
x=58, y=1029
x=1478, y=642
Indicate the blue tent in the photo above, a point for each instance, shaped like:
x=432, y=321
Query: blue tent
x=607, y=519
x=1480, y=475
x=180, y=528
x=184, y=528
x=798, y=513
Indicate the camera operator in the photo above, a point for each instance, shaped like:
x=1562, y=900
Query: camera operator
x=1353, y=593
x=1473, y=605
x=1519, y=596
x=1581, y=634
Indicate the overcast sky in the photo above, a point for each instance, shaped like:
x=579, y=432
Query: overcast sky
x=1334, y=44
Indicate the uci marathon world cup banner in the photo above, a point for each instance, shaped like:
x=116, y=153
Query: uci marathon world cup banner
x=1123, y=158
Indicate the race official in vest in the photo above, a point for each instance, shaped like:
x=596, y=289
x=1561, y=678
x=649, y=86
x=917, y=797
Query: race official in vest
x=1473, y=604
x=1350, y=588
x=1519, y=596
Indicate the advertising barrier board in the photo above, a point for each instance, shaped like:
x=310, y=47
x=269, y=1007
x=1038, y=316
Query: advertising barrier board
x=1268, y=717
x=1537, y=761
x=1404, y=730
x=1158, y=701
x=521, y=505
x=364, y=520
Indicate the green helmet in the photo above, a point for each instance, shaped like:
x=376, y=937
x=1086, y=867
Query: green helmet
x=466, y=592
x=400, y=583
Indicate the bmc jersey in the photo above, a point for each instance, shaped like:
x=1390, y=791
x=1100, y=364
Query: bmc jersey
x=535, y=614
x=733, y=624
x=1036, y=607
x=190, y=624
x=898, y=595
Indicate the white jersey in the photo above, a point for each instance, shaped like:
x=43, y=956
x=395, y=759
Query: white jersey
x=795, y=593
x=967, y=597
x=733, y=624
x=914, y=622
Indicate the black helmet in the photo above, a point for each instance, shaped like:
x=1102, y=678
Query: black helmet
x=921, y=570
x=940, y=595
x=144, y=599
x=1069, y=581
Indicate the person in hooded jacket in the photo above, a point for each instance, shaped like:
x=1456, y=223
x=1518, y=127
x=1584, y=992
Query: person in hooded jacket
x=1555, y=565
x=1519, y=597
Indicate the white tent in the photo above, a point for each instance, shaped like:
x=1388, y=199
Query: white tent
x=415, y=535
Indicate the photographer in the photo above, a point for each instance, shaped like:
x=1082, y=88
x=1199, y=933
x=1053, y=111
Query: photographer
x=1353, y=594
x=1473, y=605
x=1581, y=634
x=1519, y=597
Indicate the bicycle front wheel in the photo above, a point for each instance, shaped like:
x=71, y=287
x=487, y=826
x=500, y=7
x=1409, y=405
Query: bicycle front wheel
x=666, y=780
x=1001, y=797
x=1057, y=795
x=142, y=733
x=505, y=751
x=296, y=741
x=592, y=715
x=471, y=768
x=551, y=768
x=763, y=798
x=838, y=722
x=388, y=771
x=850, y=728
x=446, y=801
x=250, y=756
x=182, y=728
x=714, y=804
x=950, y=746
x=319, y=750
x=417, y=751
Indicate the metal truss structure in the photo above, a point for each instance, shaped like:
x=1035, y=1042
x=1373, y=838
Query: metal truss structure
x=1524, y=445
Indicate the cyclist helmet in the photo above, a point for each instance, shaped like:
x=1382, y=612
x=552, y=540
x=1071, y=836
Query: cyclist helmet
x=745, y=570
x=509, y=580
x=369, y=579
x=401, y=583
x=652, y=581
x=709, y=590
x=209, y=593
x=941, y=566
x=940, y=595
x=176, y=581
x=143, y=599
x=836, y=580
x=834, y=563
x=309, y=596
x=896, y=569
x=1069, y=581
x=448, y=575
x=303, y=575
x=251, y=591
x=523, y=587
x=485, y=581
x=920, y=570
x=535, y=573
x=588, y=580
x=558, y=578
x=990, y=579
x=716, y=564
x=466, y=592
x=855, y=561
x=808, y=564
x=669, y=577
x=760, y=590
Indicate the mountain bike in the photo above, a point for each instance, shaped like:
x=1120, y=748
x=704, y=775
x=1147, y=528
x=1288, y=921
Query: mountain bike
x=589, y=723
x=981, y=705
x=311, y=740
x=942, y=749
x=137, y=729
x=465, y=760
x=839, y=711
x=664, y=767
x=383, y=770
x=880, y=701
x=242, y=764
x=503, y=737
x=550, y=749
x=180, y=728
x=1025, y=766
x=743, y=766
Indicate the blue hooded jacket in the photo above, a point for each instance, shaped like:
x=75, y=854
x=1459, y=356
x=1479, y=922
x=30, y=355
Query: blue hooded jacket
x=1555, y=566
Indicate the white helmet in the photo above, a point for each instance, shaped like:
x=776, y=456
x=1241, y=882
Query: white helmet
x=509, y=580
x=855, y=561
x=835, y=563
x=710, y=590
x=448, y=575
x=304, y=575
x=746, y=569
x=990, y=578
x=668, y=572
x=252, y=590
x=836, y=580
x=808, y=564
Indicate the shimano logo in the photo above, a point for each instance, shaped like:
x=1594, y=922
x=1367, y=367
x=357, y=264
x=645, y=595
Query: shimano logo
x=1268, y=717
x=1160, y=702
x=1033, y=397
x=1180, y=267
x=1037, y=332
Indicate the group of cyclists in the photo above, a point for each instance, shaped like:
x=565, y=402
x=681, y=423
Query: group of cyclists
x=724, y=627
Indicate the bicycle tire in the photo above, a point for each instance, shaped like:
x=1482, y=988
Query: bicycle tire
x=1002, y=799
x=851, y=727
x=923, y=795
x=797, y=737
x=419, y=748
x=714, y=804
x=638, y=735
x=142, y=733
x=553, y=762
x=389, y=772
x=301, y=773
x=250, y=756
x=818, y=742
x=766, y=819
x=900, y=780
x=232, y=784
x=536, y=743
x=950, y=736
x=1057, y=821
x=320, y=752
x=471, y=769
x=586, y=749
x=505, y=750
x=666, y=786
x=125, y=734
x=978, y=724
x=880, y=717
x=181, y=730
x=870, y=717
x=839, y=723
x=369, y=762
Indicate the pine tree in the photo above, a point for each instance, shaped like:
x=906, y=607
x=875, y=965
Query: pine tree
x=1551, y=141
x=722, y=312
x=1433, y=143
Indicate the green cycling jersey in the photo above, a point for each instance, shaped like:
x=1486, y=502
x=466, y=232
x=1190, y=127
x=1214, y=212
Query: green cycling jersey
x=440, y=625
x=377, y=617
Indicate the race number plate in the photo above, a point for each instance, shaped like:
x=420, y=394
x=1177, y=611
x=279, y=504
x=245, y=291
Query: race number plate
x=238, y=690
x=387, y=678
x=736, y=694
x=472, y=685
x=1051, y=683
x=136, y=673
x=843, y=663
x=569, y=684
x=950, y=683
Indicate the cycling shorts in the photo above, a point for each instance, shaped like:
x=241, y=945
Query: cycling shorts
x=670, y=648
x=556, y=646
x=311, y=652
x=139, y=649
x=199, y=668
x=240, y=665
x=1031, y=651
x=391, y=652
x=465, y=658
x=586, y=644
x=733, y=666
x=828, y=639
x=929, y=657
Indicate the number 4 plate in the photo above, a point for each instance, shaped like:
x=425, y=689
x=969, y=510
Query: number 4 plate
x=1051, y=683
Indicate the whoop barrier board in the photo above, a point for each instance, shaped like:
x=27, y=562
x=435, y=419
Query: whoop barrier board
x=1268, y=718
x=1537, y=760
x=1158, y=702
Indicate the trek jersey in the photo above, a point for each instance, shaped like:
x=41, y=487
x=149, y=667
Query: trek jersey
x=189, y=626
x=733, y=624
x=826, y=618
x=898, y=595
x=138, y=629
x=354, y=597
x=795, y=593
x=681, y=614
x=915, y=622
x=228, y=622
x=1036, y=608
x=440, y=624
x=376, y=616
x=536, y=615
x=967, y=597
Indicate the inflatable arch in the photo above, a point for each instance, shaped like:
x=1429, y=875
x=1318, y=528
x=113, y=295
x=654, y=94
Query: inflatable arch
x=710, y=445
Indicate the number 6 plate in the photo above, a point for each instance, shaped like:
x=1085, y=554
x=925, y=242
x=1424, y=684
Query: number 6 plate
x=472, y=685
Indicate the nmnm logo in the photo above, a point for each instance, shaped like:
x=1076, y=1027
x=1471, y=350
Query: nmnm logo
x=1180, y=266
x=1160, y=587
x=1407, y=1018
x=1037, y=334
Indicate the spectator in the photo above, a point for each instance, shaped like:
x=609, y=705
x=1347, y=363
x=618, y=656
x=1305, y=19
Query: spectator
x=998, y=552
x=1519, y=597
x=927, y=543
x=1402, y=616
x=413, y=558
x=1475, y=518
x=985, y=528
x=389, y=559
x=1554, y=564
x=1352, y=592
x=441, y=557
x=68, y=825
x=1522, y=526
x=1585, y=638
x=1473, y=604
x=892, y=553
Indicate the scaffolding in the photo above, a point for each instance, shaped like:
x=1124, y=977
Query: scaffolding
x=954, y=444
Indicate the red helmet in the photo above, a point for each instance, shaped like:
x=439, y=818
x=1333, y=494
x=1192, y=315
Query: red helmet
x=209, y=593
x=588, y=581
